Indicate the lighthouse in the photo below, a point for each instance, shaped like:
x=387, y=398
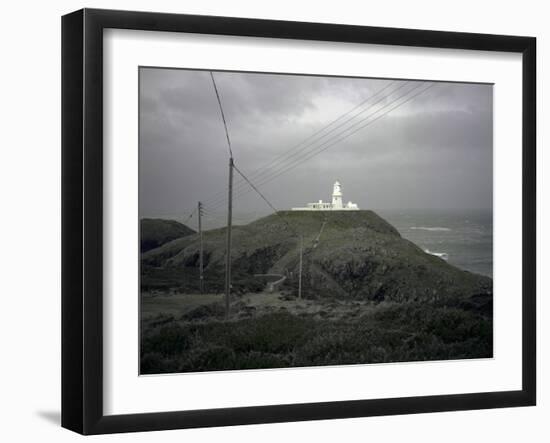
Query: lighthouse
x=337, y=195
x=336, y=204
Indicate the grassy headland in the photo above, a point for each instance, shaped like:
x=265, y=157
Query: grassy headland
x=368, y=296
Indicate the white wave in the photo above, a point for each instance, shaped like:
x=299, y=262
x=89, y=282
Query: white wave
x=434, y=228
x=442, y=255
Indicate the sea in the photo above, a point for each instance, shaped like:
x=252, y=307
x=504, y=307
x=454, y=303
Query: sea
x=464, y=238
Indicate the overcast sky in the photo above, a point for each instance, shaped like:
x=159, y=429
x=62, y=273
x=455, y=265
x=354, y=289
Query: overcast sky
x=434, y=151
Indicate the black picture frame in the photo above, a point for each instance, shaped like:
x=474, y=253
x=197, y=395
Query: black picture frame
x=82, y=218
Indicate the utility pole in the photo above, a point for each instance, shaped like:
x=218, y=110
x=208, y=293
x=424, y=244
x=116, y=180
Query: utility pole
x=201, y=268
x=300, y=268
x=229, y=204
x=228, y=253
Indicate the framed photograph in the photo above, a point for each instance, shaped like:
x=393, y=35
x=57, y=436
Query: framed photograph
x=269, y=221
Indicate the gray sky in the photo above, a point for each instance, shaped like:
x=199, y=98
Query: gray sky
x=434, y=151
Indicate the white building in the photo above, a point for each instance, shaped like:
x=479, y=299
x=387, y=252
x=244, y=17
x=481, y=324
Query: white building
x=336, y=204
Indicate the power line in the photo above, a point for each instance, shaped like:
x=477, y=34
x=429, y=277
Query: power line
x=303, y=156
x=189, y=216
x=340, y=125
x=226, y=132
x=312, y=154
x=330, y=124
x=299, y=152
x=275, y=160
x=223, y=115
x=303, y=152
x=335, y=140
x=300, y=236
x=229, y=206
x=264, y=198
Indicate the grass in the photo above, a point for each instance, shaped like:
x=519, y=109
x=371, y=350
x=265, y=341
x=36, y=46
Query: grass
x=368, y=296
x=200, y=340
x=358, y=256
x=174, y=305
x=156, y=232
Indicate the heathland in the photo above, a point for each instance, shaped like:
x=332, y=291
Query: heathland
x=368, y=296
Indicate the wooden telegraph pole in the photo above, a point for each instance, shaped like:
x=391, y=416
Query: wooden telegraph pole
x=229, y=204
x=300, y=268
x=228, y=253
x=201, y=266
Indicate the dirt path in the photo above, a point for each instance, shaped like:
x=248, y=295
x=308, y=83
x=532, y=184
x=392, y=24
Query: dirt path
x=253, y=304
x=271, y=285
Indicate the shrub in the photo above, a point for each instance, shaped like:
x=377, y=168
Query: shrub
x=391, y=333
x=156, y=363
x=202, y=312
x=169, y=340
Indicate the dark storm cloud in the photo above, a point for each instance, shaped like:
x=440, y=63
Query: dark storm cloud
x=433, y=152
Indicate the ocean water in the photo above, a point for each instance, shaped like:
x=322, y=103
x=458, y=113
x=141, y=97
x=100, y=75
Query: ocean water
x=463, y=238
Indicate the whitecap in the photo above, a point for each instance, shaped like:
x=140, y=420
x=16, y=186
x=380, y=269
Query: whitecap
x=442, y=255
x=434, y=228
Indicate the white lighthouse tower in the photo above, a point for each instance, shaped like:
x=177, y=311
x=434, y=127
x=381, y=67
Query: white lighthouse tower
x=337, y=196
x=336, y=204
